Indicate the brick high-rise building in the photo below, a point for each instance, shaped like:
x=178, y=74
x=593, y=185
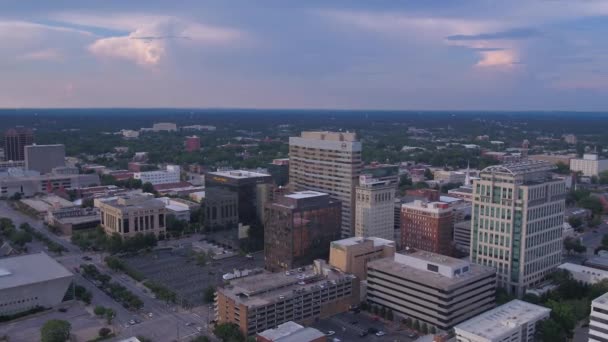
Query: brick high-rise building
x=193, y=143
x=15, y=140
x=299, y=228
x=328, y=162
x=427, y=226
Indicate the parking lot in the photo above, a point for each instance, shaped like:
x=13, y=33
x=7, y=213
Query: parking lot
x=181, y=274
x=349, y=327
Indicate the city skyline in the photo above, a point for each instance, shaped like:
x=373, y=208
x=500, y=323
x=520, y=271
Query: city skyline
x=520, y=55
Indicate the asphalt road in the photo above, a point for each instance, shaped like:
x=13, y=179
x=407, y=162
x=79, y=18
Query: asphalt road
x=166, y=324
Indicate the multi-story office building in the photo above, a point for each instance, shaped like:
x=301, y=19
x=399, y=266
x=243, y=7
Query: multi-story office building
x=598, y=320
x=427, y=226
x=328, y=162
x=30, y=281
x=462, y=235
x=514, y=321
x=221, y=208
x=443, y=176
x=131, y=214
x=589, y=165
x=382, y=172
x=351, y=255
x=5, y=165
x=279, y=170
x=517, y=223
x=263, y=301
x=374, y=208
x=245, y=185
x=15, y=140
x=44, y=158
x=71, y=219
x=171, y=174
x=193, y=143
x=299, y=228
x=438, y=290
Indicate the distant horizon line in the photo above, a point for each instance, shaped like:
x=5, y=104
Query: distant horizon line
x=307, y=109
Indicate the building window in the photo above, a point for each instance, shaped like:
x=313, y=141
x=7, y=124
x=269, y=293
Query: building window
x=432, y=268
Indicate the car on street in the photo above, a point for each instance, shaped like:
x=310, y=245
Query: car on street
x=336, y=340
x=189, y=324
x=199, y=329
x=330, y=333
x=150, y=314
x=87, y=258
x=380, y=333
x=132, y=322
x=411, y=334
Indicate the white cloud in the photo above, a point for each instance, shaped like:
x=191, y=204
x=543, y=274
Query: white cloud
x=499, y=58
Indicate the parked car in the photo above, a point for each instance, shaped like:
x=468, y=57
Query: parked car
x=380, y=333
x=330, y=333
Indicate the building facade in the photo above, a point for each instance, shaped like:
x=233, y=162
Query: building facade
x=31, y=183
x=590, y=165
x=30, y=281
x=598, y=320
x=517, y=223
x=431, y=288
x=427, y=226
x=171, y=174
x=71, y=219
x=260, y=302
x=462, y=235
x=193, y=144
x=515, y=321
x=351, y=255
x=44, y=158
x=245, y=185
x=279, y=170
x=221, y=208
x=299, y=228
x=374, y=208
x=328, y=162
x=132, y=214
x=15, y=140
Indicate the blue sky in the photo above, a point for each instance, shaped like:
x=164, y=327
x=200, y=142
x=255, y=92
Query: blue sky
x=495, y=55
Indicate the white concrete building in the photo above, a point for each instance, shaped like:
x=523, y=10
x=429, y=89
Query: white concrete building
x=374, y=208
x=129, y=133
x=433, y=288
x=443, y=176
x=170, y=175
x=328, y=162
x=589, y=165
x=514, y=321
x=180, y=210
x=584, y=274
x=30, y=281
x=517, y=223
x=164, y=126
x=598, y=320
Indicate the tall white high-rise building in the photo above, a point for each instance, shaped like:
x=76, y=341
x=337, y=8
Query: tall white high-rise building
x=598, y=320
x=374, y=208
x=328, y=162
x=517, y=222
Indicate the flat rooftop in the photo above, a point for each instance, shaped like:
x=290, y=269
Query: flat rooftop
x=352, y=241
x=603, y=299
x=291, y=332
x=265, y=288
x=417, y=271
x=502, y=320
x=305, y=194
x=239, y=174
x=30, y=269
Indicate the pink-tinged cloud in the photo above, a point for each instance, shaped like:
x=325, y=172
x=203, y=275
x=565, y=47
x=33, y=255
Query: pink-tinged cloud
x=43, y=55
x=501, y=58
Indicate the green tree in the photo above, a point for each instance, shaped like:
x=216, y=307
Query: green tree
x=592, y=203
x=110, y=314
x=228, y=332
x=603, y=178
x=575, y=221
x=428, y=174
x=104, y=332
x=200, y=339
x=562, y=168
x=549, y=330
x=389, y=315
x=148, y=187
x=16, y=196
x=424, y=328
x=20, y=237
x=55, y=330
x=99, y=310
x=416, y=325
x=563, y=314
x=209, y=295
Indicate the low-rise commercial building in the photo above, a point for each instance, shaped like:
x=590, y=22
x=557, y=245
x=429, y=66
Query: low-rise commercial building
x=171, y=174
x=584, y=274
x=74, y=218
x=291, y=332
x=435, y=289
x=179, y=208
x=299, y=228
x=598, y=320
x=443, y=176
x=514, y=321
x=590, y=165
x=29, y=183
x=351, y=255
x=30, y=281
x=263, y=301
x=129, y=215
